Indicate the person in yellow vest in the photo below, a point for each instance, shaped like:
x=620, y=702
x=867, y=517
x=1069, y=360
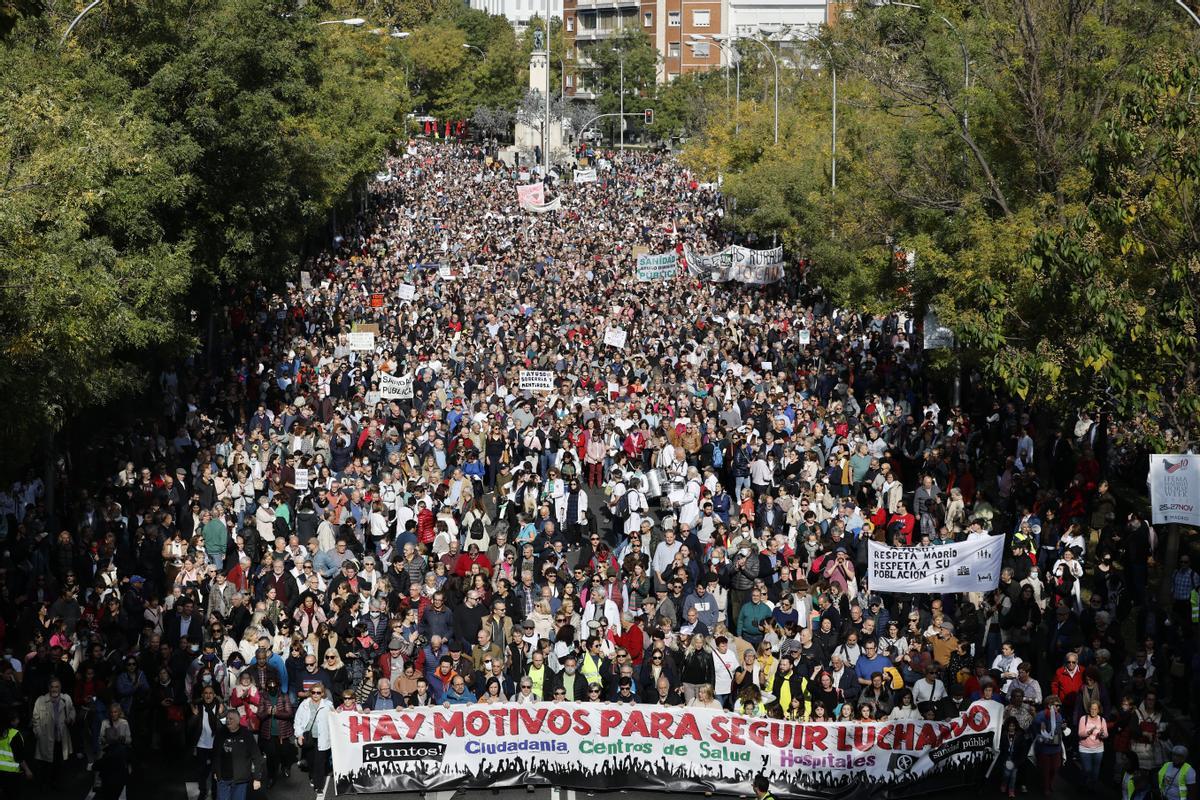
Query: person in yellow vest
x=14, y=760
x=788, y=685
x=1176, y=778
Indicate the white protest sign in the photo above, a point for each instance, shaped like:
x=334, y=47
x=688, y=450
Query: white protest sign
x=804, y=337
x=585, y=176
x=301, y=479
x=660, y=266
x=407, y=292
x=305, y=279
x=446, y=272
x=1175, y=489
x=767, y=366
x=536, y=380
x=361, y=341
x=970, y=566
x=615, y=337
x=395, y=387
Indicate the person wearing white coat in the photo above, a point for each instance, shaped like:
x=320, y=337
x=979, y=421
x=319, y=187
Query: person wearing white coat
x=53, y=718
x=313, y=736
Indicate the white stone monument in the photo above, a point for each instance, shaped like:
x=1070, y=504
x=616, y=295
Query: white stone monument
x=525, y=136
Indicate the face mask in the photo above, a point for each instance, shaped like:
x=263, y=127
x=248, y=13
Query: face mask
x=570, y=670
x=207, y=679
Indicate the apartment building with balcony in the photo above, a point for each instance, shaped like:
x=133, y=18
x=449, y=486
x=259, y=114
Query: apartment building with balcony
x=673, y=26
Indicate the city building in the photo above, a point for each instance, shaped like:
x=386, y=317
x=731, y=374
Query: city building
x=519, y=12
x=677, y=28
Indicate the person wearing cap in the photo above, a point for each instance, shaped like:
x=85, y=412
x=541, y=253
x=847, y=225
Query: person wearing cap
x=1177, y=778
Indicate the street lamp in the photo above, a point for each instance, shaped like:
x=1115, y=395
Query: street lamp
x=354, y=22
x=833, y=114
x=466, y=46
x=75, y=21
x=1189, y=11
x=621, y=58
x=732, y=55
x=962, y=43
x=774, y=61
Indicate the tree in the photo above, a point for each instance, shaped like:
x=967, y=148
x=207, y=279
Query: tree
x=494, y=121
x=633, y=46
x=1103, y=311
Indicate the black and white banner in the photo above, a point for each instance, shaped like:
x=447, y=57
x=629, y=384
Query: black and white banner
x=655, y=747
x=536, y=380
x=738, y=264
x=395, y=387
x=970, y=566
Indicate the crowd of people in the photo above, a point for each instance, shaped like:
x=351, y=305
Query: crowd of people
x=679, y=521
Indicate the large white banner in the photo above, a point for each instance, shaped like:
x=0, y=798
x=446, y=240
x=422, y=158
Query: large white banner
x=395, y=387
x=536, y=380
x=1175, y=489
x=553, y=205
x=361, y=341
x=970, y=566
x=654, y=747
x=736, y=263
x=585, y=176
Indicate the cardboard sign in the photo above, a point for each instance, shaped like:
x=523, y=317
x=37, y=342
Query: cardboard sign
x=407, y=292
x=301, y=479
x=361, y=341
x=615, y=337
x=395, y=387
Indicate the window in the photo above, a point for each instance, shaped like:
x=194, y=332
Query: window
x=701, y=18
x=673, y=50
x=700, y=49
x=570, y=23
x=673, y=19
x=648, y=19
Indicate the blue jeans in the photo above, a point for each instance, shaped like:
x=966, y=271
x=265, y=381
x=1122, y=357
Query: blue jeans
x=1090, y=762
x=228, y=790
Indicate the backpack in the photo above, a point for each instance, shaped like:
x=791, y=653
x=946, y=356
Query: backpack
x=477, y=531
x=718, y=458
x=622, y=509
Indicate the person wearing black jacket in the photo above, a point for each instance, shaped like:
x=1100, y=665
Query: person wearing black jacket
x=237, y=761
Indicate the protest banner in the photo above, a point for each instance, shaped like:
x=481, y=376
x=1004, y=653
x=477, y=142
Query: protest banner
x=376, y=300
x=536, y=380
x=970, y=566
x=1175, y=489
x=361, y=341
x=305, y=279
x=553, y=205
x=585, y=176
x=531, y=194
x=684, y=750
x=662, y=266
x=615, y=337
x=301, y=479
x=407, y=292
x=395, y=387
x=804, y=337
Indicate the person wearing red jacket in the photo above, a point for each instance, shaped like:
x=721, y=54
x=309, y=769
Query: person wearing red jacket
x=464, y=562
x=1068, y=680
x=630, y=638
x=425, y=524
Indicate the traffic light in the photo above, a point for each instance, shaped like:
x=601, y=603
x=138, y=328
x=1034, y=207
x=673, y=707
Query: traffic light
x=649, y=114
